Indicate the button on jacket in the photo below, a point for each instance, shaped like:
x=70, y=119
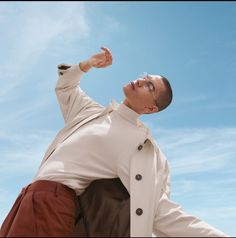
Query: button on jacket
x=96, y=150
x=151, y=210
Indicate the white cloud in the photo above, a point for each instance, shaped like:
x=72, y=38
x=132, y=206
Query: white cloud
x=212, y=188
x=29, y=29
x=23, y=113
x=198, y=150
x=202, y=163
x=112, y=24
x=22, y=153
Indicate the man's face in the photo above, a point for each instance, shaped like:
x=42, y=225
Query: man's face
x=141, y=94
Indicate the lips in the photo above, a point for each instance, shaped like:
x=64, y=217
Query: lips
x=132, y=84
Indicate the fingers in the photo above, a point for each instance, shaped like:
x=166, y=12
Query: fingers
x=106, y=50
x=108, y=55
x=103, y=59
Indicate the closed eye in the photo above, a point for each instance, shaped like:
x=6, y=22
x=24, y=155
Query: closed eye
x=151, y=86
x=149, y=83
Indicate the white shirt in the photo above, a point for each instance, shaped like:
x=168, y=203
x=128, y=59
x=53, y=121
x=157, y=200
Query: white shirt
x=99, y=149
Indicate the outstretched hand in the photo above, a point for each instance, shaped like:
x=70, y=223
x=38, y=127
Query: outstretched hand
x=101, y=60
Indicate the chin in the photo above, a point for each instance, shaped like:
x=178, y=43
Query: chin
x=125, y=90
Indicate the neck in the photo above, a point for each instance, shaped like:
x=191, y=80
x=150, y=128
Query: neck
x=126, y=102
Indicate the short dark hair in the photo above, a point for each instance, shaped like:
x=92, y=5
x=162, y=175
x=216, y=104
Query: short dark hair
x=165, y=97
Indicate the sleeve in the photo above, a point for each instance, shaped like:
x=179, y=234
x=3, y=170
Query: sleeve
x=171, y=221
x=71, y=97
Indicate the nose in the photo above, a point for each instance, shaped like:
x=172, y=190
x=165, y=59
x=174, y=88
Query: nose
x=139, y=82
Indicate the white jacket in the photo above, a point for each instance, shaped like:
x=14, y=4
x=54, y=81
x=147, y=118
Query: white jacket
x=151, y=211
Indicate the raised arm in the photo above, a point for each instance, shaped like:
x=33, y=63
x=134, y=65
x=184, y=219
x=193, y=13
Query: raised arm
x=71, y=97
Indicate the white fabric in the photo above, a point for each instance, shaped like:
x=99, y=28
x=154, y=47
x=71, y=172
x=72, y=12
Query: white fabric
x=160, y=215
x=96, y=151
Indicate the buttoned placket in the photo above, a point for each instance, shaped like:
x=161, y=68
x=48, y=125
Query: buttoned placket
x=138, y=177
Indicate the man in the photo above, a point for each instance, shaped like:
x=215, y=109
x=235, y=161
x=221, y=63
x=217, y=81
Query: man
x=103, y=143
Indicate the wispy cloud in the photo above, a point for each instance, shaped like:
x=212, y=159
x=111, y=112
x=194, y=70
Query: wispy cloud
x=197, y=150
x=35, y=27
x=29, y=30
x=21, y=155
x=20, y=116
x=112, y=24
x=211, y=191
x=202, y=165
x=27, y=153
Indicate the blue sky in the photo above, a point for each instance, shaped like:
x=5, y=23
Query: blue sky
x=192, y=43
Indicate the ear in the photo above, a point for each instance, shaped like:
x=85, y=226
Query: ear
x=152, y=109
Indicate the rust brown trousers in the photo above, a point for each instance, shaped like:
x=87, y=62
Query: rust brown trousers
x=51, y=209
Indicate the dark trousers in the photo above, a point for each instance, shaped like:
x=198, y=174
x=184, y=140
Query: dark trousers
x=104, y=210
x=47, y=208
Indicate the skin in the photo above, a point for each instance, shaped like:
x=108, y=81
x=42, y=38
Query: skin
x=138, y=95
x=139, y=98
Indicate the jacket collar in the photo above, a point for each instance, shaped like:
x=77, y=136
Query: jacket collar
x=115, y=106
x=128, y=114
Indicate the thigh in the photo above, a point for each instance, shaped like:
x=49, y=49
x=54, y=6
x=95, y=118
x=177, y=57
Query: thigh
x=20, y=220
x=55, y=214
x=41, y=213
